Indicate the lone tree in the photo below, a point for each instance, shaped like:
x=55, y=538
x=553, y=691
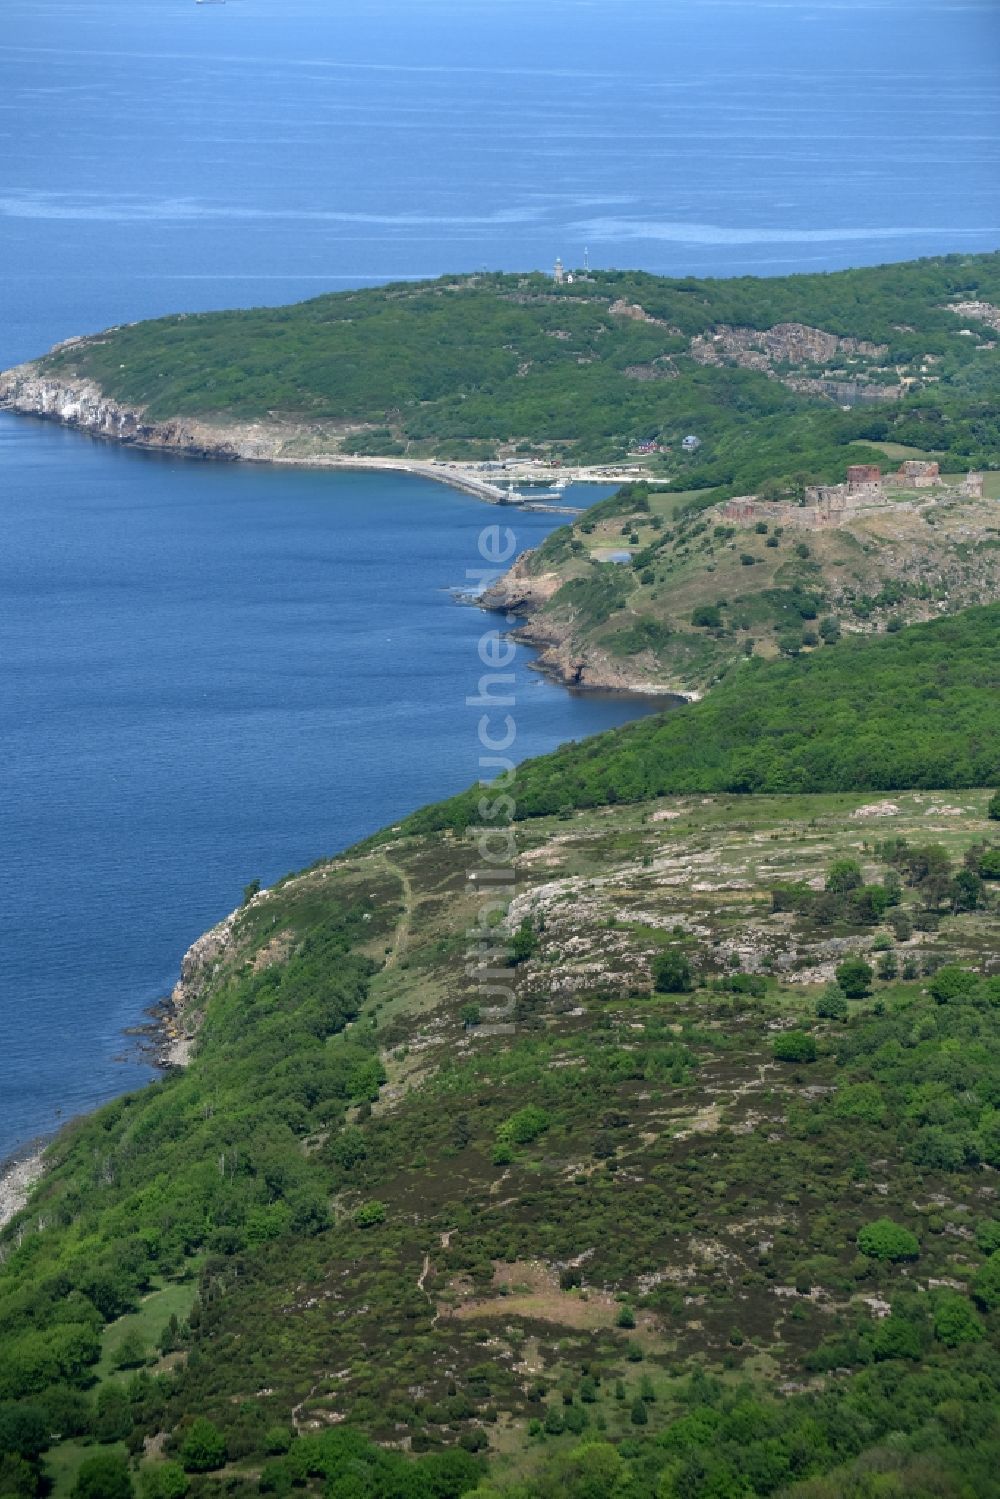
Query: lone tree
x=993, y=807
x=832, y=1003
x=855, y=977
x=104, y=1476
x=885, y=1240
x=672, y=972
x=203, y=1448
x=795, y=1046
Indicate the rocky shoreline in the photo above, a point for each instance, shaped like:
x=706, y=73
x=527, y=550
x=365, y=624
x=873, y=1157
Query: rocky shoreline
x=179, y=1018
x=29, y=390
x=168, y=1037
x=168, y=1040
x=17, y=1177
x=523, y=594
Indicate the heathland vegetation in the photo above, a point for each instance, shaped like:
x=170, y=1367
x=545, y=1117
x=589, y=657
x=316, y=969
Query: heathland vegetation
x=711, y=1214
x=653, y=587
x=706, y=1209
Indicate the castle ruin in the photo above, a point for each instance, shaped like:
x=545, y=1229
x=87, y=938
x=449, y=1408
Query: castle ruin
x=827, y=505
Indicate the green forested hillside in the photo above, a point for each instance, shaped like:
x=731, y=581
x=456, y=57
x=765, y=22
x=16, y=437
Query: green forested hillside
x=711, y=1214
x=478, y=364
x=916, y=708
x=671, y=1173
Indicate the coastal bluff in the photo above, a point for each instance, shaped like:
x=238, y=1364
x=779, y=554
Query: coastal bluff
x=74, y=401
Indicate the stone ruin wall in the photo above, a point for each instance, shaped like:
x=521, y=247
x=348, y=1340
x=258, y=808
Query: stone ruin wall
x=829, y=505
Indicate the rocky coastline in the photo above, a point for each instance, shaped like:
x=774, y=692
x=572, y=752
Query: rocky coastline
x=170, y=1038
x=522, y=594
x=17, y=1177
x=31, y=390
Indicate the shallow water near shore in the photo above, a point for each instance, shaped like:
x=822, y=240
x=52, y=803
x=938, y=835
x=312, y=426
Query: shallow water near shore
x=210, y=673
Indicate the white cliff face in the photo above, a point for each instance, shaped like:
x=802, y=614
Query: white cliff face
x=75, y=402
x=35, y=390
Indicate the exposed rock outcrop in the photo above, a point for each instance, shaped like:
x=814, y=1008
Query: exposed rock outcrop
x=785, y=343
x=80, y=403
x=560, y=655
x=796, y=344
x=199, y=966
x=34, y=390
x=981, y=312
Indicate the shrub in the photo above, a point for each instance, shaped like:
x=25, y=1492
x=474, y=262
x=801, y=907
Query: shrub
x=555, y=1422
x=988, y=1235
x=868, y=905
x=955, y=1323
x=902, y=926
x=203, y=1448
x=369, y=1214
x=832, y=1003
x=672, y=972
x=524, y=943
x=993, y=807
x=888, y=968
x=896, y=1338
x=131, y=1352
x=855, y=977
x=103, y=1476
x=885, y=1240
x=707, y=617
x=277, y=1439
x=113, y=1414
x=844, y=875
x=986, y=1286
x=794, y=1046
x=163, y=1481
x=524, y=1126
x=950, y=985
x=753, y=984
x=639, y=1415
x=625, y=1318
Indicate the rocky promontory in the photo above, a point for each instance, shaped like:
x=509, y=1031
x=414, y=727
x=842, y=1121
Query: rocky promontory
x=561, y=654
x=76, y=402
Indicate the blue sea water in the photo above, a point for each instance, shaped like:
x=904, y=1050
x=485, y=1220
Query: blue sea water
x=210, y=673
